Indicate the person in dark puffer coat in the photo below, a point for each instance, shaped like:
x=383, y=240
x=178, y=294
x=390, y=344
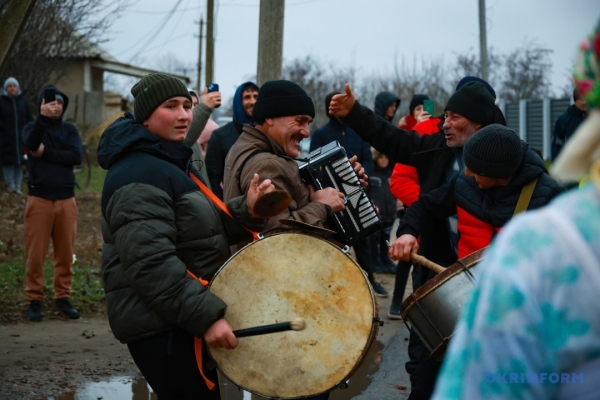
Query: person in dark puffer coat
x=160, y=233
x=497, y=167
x=14, y=115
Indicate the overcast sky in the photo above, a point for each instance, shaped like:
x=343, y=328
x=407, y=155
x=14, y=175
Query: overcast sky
x=367, y=34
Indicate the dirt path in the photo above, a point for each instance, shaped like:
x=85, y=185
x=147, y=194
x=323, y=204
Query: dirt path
x=53, y=357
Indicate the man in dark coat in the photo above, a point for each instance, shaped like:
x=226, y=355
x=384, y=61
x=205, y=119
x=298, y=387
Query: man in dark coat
x=567, y=124
x=223, y=138
x=354, y=145
x=438, y=158
x=14, y=115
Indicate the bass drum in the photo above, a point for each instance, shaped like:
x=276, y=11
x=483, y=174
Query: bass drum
x=294, y=275
x=432, y=310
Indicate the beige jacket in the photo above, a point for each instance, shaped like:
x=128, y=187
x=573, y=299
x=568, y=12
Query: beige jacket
x=269, y=161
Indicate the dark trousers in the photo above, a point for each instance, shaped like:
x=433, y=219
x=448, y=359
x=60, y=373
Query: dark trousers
x=422, y=369
x=362, y=250
x=402, y=271
x=168, y=363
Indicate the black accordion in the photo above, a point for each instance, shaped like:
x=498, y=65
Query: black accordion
x=328, y=166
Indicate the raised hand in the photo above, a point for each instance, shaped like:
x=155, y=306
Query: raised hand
x=255, y=191
x=341, y=104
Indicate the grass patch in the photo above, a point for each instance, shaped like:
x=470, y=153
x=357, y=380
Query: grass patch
x=87, y=293
x=98, y=175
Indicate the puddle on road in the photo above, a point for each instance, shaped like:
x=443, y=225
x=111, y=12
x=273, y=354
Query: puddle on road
x=126, y=388
x=122, y=388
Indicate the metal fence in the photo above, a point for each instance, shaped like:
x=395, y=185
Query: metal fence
x=533, y=120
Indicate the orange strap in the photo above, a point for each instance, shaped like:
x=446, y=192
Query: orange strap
x=198, y=342
x=217, y=201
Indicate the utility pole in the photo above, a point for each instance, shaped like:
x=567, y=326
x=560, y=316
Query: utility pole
x=200, y=37
x=270, y=40
x=210, y=8
x=483, y=53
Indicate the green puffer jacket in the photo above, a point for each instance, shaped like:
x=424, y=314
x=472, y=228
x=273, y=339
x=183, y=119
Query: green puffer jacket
x=156, y=224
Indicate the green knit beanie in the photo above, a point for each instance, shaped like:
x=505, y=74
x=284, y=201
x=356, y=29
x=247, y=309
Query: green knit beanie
x=152, y=90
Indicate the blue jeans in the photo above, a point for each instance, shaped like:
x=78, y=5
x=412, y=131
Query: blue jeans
x=13, y=175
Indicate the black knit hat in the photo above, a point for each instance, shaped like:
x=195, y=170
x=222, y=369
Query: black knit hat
x=417, y=100
x=474, y=102
x=152, y=90
x=495, y=151
x=282, y=99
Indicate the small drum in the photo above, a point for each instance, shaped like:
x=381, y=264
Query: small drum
x=433, y=309
x=295, y=275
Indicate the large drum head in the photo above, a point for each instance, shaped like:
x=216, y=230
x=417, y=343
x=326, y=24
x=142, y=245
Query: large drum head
x=289, y=276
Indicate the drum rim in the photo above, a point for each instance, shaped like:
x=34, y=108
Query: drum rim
x=459, y=266
x=374, y=326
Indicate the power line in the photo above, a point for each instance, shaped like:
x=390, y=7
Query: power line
x=174, y=28
x=162, y=25
x=163, y=12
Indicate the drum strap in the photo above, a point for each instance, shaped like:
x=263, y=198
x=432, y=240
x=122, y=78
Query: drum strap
x=198, y=342
x=217, y=202
x=525, y=197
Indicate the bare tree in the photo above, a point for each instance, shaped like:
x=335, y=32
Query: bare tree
x=468, y=64
x=526, y=73
x=56, y=31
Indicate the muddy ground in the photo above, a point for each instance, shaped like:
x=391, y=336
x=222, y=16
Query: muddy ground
x=55, y=358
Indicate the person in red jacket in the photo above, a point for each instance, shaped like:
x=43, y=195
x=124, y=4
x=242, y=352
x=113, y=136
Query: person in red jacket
x=416, y=113
x=498, y=168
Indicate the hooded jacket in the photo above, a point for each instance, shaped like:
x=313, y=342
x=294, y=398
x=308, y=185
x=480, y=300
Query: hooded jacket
x=51, y=175
x=481, y=213
x=223, y=138
x=156, y=224
x=382, y=101
x=14, y=115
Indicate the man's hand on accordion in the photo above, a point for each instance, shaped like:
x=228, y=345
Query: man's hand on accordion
x=360, y=171
x=330, y=196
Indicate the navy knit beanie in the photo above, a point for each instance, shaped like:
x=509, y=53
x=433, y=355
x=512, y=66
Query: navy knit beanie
x=474, y=102
x=468, y=79
x=495, y=151
x=152, y=90
x=281, y=99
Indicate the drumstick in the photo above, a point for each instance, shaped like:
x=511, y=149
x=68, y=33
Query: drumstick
x=297, y=324
x=426, y=263
x=437, y=268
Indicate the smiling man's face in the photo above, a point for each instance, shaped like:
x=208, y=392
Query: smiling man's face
x=288, y=132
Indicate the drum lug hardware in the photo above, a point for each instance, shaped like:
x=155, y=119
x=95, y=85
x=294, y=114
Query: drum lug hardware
x=343, y=385
x=346, y=249
x=260, y=236
x=377, y=320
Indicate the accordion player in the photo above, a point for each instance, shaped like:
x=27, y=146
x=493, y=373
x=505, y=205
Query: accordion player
x=328, y=166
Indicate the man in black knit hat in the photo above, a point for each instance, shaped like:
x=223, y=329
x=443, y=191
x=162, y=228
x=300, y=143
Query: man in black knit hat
x=438, y=159
x=282, y=114
x=500, y=170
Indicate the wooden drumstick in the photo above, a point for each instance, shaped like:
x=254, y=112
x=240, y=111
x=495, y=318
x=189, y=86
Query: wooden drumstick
x=297, y=324
x=426, y=263
x=437, y=268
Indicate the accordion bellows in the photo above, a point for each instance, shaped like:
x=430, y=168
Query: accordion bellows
x=328, y=166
